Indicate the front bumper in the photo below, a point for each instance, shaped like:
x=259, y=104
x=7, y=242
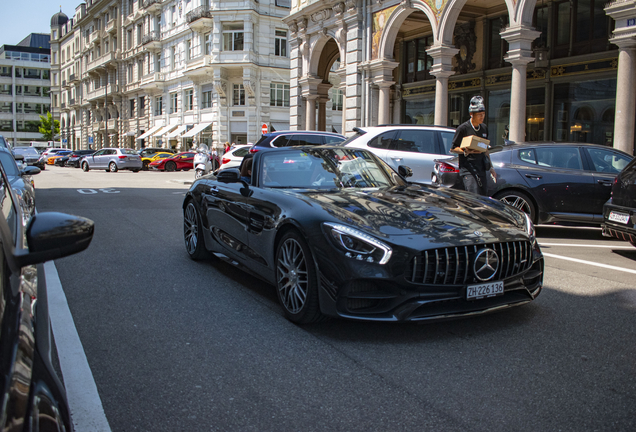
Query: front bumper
x=370, y=295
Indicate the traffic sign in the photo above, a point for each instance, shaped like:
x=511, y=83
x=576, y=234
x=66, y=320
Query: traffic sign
x=264, y=128
x=90, y=140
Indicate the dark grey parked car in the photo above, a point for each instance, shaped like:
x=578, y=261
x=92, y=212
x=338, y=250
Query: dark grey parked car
x=552, y=182
x=33, y=397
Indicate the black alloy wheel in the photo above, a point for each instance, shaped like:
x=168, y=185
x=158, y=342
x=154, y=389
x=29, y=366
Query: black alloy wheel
x=145, y=165
x=518, y=200
x=296, y=280
x=192, y=233
x=85, y=167
x=171, y=166
x=112, y=167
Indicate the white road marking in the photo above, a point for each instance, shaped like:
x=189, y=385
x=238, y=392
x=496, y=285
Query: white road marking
x=611, y=267
x=587, y=245
x=87, y=412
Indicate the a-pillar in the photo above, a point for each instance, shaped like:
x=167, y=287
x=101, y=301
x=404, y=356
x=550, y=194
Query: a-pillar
x=625, y=39
x=382, y=73
x=442, y=69
x=519, y=38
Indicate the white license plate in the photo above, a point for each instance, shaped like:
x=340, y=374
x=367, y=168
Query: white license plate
x=619, y=217
x=491, y=289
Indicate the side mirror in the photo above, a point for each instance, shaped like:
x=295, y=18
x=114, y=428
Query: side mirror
x=230, y=175
x=29, y=170
x=405, y=171
x=54, y=235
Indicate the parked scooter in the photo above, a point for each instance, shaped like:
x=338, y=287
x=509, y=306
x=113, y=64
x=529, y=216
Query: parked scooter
x=204, y=162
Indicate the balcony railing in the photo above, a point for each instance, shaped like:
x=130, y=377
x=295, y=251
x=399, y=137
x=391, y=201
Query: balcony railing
x=111, y=26
x=151, y=37
x=103, y=61
x=148, y=3
x=72, y=102
x=63, y=105
x=152, y=80
x=199, y=17
x=72, y=78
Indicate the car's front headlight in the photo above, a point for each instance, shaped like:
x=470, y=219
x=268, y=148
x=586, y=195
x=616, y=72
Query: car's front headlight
x=529, y=226
x=358, y=245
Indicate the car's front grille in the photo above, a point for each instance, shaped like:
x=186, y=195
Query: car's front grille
x=454, y=265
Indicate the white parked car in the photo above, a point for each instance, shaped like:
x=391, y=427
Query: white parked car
x=416, y=146
x=234, y=156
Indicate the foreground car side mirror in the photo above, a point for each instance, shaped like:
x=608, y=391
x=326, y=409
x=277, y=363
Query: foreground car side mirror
x=405, y=171
x=29, y=170
x=230, y=175
x=54, y=235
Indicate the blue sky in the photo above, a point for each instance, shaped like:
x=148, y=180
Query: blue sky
x=23, y=17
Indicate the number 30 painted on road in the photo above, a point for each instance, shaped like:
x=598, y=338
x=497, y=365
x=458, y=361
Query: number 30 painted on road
x=93, y=191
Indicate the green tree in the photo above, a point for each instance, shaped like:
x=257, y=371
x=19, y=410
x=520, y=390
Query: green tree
x=46, y=129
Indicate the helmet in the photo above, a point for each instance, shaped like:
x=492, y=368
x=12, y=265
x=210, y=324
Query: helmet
x=476, y=104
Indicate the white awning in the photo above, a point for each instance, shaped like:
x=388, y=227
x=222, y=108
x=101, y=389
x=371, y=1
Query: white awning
x=195, y=130
x=278, y=126
x=149, y=132
x=164, y=130
x=130, y=133
x=178, y=131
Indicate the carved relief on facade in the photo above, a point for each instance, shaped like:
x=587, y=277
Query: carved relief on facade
x=339, y=8
x=351, y=4
x=220, y=88
x=322, y=15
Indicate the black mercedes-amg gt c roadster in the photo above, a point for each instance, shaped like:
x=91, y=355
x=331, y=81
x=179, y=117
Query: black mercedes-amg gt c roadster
x=339, y=233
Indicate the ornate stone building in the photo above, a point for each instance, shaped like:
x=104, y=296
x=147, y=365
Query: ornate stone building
x=136, y=73
x=553, y=70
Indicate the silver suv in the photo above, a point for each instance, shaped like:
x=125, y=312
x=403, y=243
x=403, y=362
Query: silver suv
x=113, y=160
x=412, y=145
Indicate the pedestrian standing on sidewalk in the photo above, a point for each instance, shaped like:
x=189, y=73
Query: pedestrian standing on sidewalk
x=473, y=165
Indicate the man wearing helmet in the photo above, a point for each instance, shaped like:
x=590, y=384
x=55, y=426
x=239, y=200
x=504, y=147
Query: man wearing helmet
x=473, y=165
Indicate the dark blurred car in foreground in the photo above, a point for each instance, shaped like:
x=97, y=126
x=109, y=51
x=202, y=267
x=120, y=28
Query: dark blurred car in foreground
x=75, y=158
x=339, y=233
x=31, y=156
x=33, y=397
x=619, y=213
x=552, y=182
x=20, y=181
x=180, y=161
x=296, y=138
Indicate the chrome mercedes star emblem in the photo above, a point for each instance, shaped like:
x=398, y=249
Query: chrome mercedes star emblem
x=486, y=264
x=477, y=233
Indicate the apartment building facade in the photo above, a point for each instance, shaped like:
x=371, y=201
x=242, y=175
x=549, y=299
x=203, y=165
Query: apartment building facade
x=551, y=70
x=137, y=73
x=24, y=88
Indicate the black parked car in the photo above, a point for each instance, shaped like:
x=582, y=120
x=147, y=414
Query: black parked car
x=552, y=182
x=30, y=156
x=73, y=160
x=296, y=138
x=32, y=396
x=619, y=213
x=340, y=233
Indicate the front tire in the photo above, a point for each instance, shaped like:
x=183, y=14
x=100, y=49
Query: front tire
x=145, y=165
x=193, y=234
x=520, y=201
x=112, y=167
x=171, y=166
x=85, y=167
x=296, y=280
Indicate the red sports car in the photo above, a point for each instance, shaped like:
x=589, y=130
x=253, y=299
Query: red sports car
x=180, y=161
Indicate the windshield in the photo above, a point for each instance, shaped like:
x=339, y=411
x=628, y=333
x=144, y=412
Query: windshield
x=325, y=169
x=26, y=151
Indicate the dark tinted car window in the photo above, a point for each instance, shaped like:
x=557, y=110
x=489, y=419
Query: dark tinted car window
x=280, y=141
x=383, y=141
x=447, y=140
x=300, y=140
x=418, y=141
x=559, y=157
x=528, y=155
x=608, y=161
x=330, y=139
x=241, y=152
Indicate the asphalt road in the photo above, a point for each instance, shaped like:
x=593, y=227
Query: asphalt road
x=177, y=345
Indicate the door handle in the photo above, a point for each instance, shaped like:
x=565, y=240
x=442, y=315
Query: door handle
x=214, y=190
x=533, y=176
x=397, y=159
x=604, y=182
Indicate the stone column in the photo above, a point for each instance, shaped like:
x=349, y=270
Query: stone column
x=520, y=39
x=382, y=75
x=310, y=110
x=442, y=55
x=322, y=114
x=625, y=38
